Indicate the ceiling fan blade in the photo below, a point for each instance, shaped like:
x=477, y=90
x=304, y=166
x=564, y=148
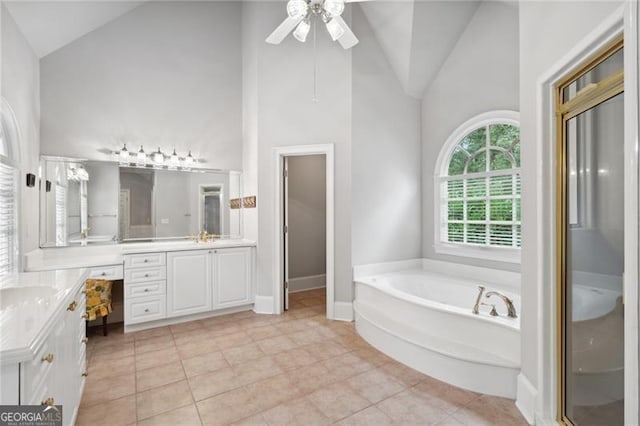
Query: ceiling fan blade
x=348, y=39
x=283, y=30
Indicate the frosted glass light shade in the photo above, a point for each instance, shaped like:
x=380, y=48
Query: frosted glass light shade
x=302, y=31
x=334, y=29
x=124, y=155
x=297, y=8
x=334, y=7
x=188, y=161
x=174, y=162
x=142, y=157
x=158, y=157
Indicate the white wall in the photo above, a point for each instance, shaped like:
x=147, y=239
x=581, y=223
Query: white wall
x=307, y=216
x=386, y=169
x=20, y=84
x=481, y=74
x=165, y=74
x=281, y=80
x=545, y=37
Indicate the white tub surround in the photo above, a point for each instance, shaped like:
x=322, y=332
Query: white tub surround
x=422, y=316
x=42, y=340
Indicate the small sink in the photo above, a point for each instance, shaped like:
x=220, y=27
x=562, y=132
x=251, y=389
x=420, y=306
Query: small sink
x=16, y=295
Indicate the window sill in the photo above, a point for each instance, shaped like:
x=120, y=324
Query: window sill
x=497, y=254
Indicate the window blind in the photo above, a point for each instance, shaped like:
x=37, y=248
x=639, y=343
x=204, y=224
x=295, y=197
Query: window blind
x=8, y=220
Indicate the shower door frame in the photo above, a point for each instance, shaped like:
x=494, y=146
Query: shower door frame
x=583, y=101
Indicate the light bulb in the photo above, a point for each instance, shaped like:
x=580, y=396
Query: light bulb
x=142, y=157
x=158, y=157
x=302, y=31
x=174, y=161
x=334, y=7
x=124, y=155
x=335, y=30
x=297, y=8
x=188, y=162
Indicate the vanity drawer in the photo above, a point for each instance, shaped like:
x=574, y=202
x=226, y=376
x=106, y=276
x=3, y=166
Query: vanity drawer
x=151, y=288
x=145, y=274
x=145, y=260
x=145, y=309
x=115, y=272
x=36, y=371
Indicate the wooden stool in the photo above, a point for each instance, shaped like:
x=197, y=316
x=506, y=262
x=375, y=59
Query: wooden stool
x=99, y=301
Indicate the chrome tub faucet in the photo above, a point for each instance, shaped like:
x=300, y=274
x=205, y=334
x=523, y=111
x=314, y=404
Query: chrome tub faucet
x=511, y=310
x=476, y=307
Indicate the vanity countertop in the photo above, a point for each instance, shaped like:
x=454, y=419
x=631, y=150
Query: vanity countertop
x=30, y=302
x=113, y=254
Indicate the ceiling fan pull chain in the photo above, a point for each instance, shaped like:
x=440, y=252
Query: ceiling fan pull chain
x=315, y=65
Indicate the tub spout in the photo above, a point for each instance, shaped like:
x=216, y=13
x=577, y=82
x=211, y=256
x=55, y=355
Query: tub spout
x=511, y=310
x=476, y=307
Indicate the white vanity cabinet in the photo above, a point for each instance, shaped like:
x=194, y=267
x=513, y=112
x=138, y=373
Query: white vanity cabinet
x=189, y=285
x=186, y=284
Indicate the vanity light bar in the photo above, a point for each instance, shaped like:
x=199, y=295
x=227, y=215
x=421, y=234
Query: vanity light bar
x=158, y=159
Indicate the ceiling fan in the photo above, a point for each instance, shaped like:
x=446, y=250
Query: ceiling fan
x=301, y=12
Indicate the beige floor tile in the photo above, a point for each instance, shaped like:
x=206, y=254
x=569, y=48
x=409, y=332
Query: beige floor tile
x=160, y=400
x=114, y=413
x=487, y=410
x=311, y=378
x=152, y=332
x=337, y=401
x=371, y=416
x=159, y=376
x=190, y=336
x=325, y=350
x=294, y=358
x=227, y=408
x=228, y=341
x=352, y=342
x=408, y=407
x=210, y=384
x=156, y=358
x=185, y=416
x=402, y=373
x=270, y=392
x=259, y=369
x=273, y=345
x=443, y=395
x=185, y=326
x=263, y=332
x=347, y=365
x=112, y=367
x=255, y=420
x=224, y=329
x=112, y=352
x=372, y=356
x=154, y=344
x=206, y=363
x=292, y=326
x=295, y=412
x=307, y=337
x=99, y=390
x=375, y=385
x=244, y=353
x=195, y=348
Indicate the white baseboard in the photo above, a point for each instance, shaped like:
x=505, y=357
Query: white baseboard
x=307, y=283
x=526, y=398
x=263, y=305
x=343, y=311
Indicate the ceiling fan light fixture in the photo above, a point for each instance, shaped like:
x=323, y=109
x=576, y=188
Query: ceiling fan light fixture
x=334, y=7
x=297, y=9
x=335, y=30
x=302, y=31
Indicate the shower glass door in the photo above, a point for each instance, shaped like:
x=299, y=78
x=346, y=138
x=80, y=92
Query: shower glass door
x=591, y=244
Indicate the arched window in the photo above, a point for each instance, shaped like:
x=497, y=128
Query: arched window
x=477, y=193
x=9, y=163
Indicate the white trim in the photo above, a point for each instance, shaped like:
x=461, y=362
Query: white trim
x=509, y=255
x=278, y=161
x=311, y=282
x=546, y=404
x=263, y=305
x=526, y=395
x=343, y=311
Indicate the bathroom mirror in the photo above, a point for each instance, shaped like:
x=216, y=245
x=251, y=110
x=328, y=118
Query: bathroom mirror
x=94, y=202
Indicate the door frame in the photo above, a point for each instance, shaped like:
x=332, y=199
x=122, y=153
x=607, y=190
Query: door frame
x=543, y=408
x=279, y=154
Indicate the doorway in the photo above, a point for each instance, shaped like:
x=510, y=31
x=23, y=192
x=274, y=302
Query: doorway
x=281, y=157
x=304, y=216
x=591, y=241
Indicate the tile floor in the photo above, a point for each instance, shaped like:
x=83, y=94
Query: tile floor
x=244, y=368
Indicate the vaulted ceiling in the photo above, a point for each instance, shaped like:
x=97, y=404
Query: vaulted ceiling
x=416, y=35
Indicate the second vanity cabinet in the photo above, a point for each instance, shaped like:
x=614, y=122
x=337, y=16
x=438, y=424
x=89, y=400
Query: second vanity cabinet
x=186, y=282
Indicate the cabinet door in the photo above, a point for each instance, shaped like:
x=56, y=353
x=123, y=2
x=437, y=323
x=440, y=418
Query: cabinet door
x=232, y=277
x=189, y=288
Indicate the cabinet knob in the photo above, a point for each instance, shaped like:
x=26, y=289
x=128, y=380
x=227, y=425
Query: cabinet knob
x=146, y=310
x=146, y=261
x=85, y=317
x=215, y=251
x=146, y=275
x=146, y=290
x=72, y=306
x=85, y=340
x=48, y=358
x=104, y=274
x=85, y=374
x=210, y=252
x=48, y=402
